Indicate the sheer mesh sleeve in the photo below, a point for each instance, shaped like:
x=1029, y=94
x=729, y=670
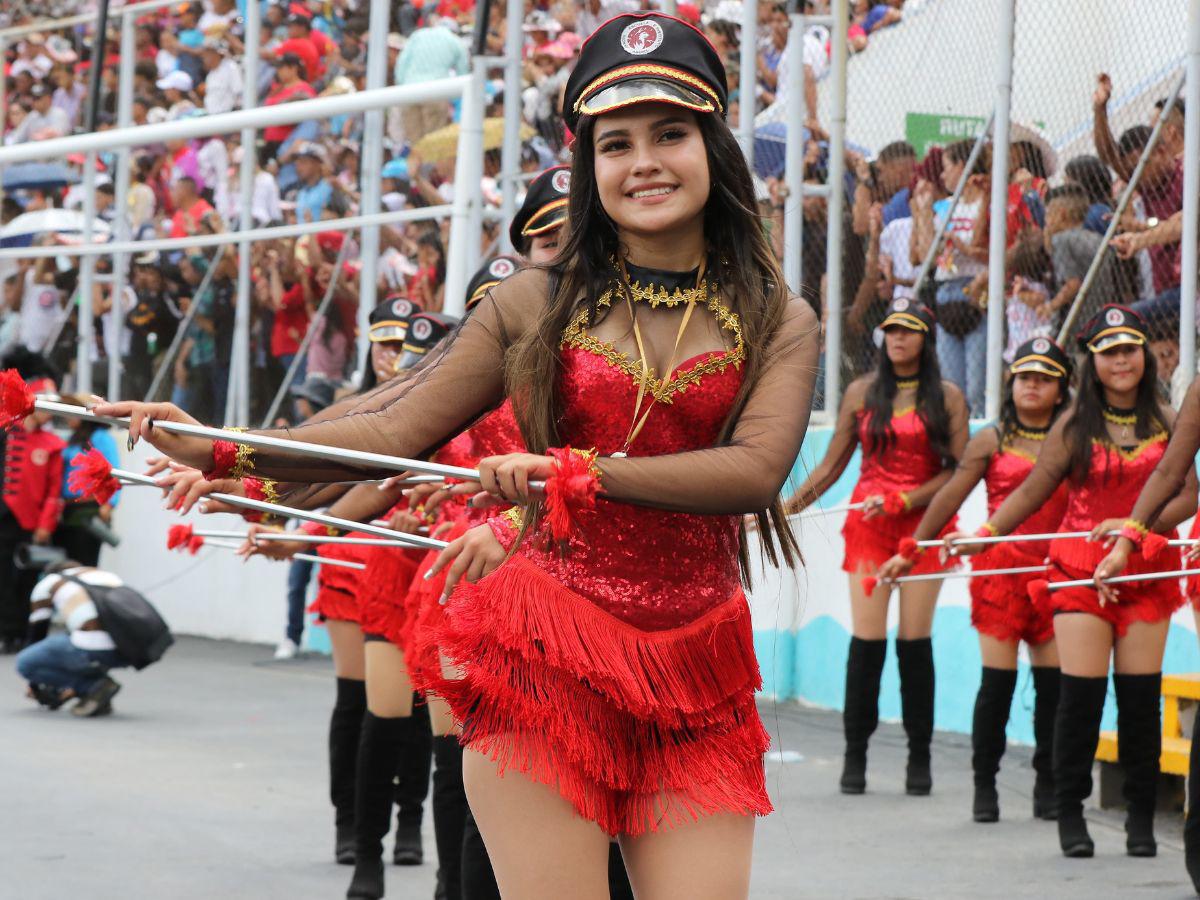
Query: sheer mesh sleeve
x=412, y=417
x=1171, y=474
x=746, y=474
x=1053, y=465
x=950, y=497
x=837, y=456
x=959, y=433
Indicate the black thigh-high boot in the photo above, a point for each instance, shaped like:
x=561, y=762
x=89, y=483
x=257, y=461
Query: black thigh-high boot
x=916, y=703
x=1045, y=706
x=619, y=887
x=412, y=784
x=1191, y=825
x=1139, y=746
x=345, y=724
x=988, y=738
x=378, y=749
x=449, y=814
x=478, y=879
x=864, y=668
x=1076, y=731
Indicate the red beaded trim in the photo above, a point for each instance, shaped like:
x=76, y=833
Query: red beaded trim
x=225, y=457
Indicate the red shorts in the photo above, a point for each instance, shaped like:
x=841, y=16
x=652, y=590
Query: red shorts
x=382, y=588
x=1000, y=604
x=337, y=586
x=876, y=540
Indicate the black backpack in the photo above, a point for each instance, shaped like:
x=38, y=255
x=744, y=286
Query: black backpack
x=139, y=632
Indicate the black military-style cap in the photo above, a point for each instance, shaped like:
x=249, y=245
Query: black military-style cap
x=491, y=273
x=909, y=314
x=645, y=57
x=389, y=320
x=545, y=205
x=1040, y=354
x=425, y=330
x=1112, y=325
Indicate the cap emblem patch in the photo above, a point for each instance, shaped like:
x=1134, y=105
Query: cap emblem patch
x=642, y=37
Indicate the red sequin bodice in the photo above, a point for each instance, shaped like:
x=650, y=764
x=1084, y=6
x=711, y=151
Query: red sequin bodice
x=497, y=433
x=907, y=463
x=1006, y=471
x=651, y=568
x=1114, y=480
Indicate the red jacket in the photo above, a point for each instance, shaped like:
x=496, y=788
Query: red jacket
x=33, y=478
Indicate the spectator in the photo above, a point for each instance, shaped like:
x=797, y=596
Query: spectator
x=885, y=181
x=288, y=86
x=1026, y=303
x=190, y=207
x=218, y=17
x=31, y=58
x=1161, y=194
x=44, y=120
x=177, y=91
x=1072, y=248
x=299, y=45
x=593, y=13
x=961, y=327
x=41, y=303
x=429, y=284
x=195, y=379
x=152, y=322
x=1096, y=180
x=315, y=191
x=431, y=53
x=68, y=93
x=223, y=81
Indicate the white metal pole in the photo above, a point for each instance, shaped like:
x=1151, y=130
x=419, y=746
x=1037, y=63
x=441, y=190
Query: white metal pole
x=475, y=238
x=371, y=170
x=87, y=269
x=470, y=140
x=1191, y=196
x=3, y=98
x=237, y=406
x=836, y=209
x=795, y=114
x=121, y=207
x=748, y=79
x=998, y=218
x=510, y=158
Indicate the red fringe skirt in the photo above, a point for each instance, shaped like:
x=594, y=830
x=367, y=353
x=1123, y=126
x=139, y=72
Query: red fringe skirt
x=1000, y=604
x=423, y=614
x=337, y=586
x=1140, y=601
x=876, y=540
x=638, y=730
x=382, y=589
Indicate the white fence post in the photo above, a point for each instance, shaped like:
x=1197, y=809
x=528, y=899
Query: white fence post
x=470, y=151
x=510, y=159
x=1191, y=196
x=836, y=211
x=749, y=68
x=121, y=209
x=998, y=218
x=371, y=170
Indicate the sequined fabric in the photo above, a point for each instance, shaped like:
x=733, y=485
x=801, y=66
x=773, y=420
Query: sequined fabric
x=650, y=568
x=495, y=434
x=1005, y=473
x=1114, y=480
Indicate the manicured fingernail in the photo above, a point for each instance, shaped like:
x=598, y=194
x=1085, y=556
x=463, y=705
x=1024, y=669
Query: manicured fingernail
x=428, y=574
x=129, y=442
x=445, y=598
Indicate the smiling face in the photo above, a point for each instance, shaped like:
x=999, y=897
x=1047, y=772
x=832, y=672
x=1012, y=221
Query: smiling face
x=651, y=168
x=1120, y=368
x=1035, y=394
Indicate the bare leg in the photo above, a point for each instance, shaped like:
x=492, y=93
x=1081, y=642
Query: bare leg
x=440, y=718
x=539, y=846
x=1044, y=654
x=346, y=639
x=998, y=654
x=704, y=860
x=389, y=692
x=868, y=615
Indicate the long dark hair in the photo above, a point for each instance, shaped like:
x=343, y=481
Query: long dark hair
x=1087, y=422
x=1009, y=421
x=742, y=263
x=931, y=404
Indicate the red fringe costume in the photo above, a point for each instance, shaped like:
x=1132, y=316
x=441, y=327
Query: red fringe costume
x=906, y=465
x=1115, y=479
x=619, y=666
x=1000, y=604
x=337, y=586
x=1191, y=584
x=381, y=587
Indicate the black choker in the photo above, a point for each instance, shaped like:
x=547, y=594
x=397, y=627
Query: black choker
x=1030, y=433
x=1119, y=416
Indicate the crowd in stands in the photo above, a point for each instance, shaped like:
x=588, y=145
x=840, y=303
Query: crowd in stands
x=190, y=63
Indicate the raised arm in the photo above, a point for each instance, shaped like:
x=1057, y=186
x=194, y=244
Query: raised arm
x=1053, y=465
x=1170, y=478
x=837, y=454
x=951, y=495
x=746, y=474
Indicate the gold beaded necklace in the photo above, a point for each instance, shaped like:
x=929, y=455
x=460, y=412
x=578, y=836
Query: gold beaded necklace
x=907, y=384
x=1121, y=417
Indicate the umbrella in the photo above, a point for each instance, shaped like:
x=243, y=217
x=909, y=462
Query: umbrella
x=22, y=230
x=37, y=176
x=443, y=143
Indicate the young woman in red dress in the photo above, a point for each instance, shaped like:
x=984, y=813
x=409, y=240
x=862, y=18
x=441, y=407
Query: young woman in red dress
x=1002, y=456
x=605, y=671
x=1104, y=448
x=912, y=427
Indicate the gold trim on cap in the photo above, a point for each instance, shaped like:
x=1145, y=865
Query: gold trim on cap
x=1136, y=337
x=478, y=293
x=1035, y=362
x=651, y=70
x=907, y=320
x=530, y=229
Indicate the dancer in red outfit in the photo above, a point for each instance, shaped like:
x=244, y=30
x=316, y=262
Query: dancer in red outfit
x=1105, y=448
x=607, y=683
x=912, y=427
x=1001, y=611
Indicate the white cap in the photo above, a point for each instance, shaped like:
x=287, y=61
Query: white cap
x=179, y=80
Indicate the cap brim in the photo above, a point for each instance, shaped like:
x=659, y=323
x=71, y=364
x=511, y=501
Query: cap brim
x=644, y=90
x=549, y=217
x=409, y=358
x=904, y=320
x=1114, y=337
x=480, y=292
x=1040, y=364
x=382, y=332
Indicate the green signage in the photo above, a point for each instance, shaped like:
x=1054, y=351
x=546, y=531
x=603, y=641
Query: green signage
x=925, y=130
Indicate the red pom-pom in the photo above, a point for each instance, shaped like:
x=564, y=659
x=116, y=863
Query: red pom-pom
x=894, y=504
x=869, y=584
x=908, y=548
x=1039, y=591
x=570, y=490
x=178, y=536
x=1152, y=545
x=91, y=475
x=224, y=458
x=16, y=399
x=194, y=544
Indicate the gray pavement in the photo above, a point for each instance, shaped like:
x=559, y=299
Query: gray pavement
x=210, y=782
